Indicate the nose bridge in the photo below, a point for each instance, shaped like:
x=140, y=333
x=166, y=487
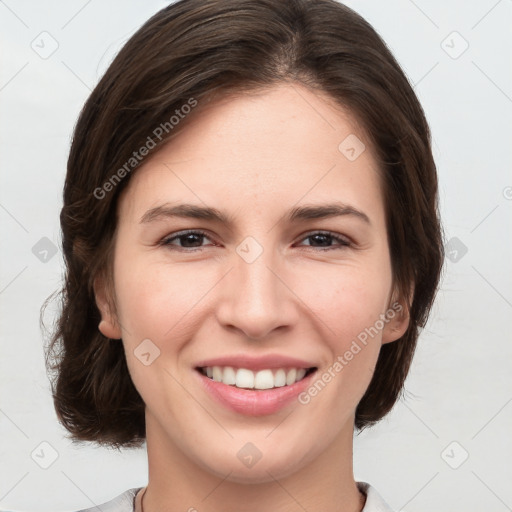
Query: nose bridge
x=257, y=300
x=256, y=281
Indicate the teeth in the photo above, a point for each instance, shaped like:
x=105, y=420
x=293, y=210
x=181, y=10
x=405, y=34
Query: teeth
x=280, y=378
x=264, y=380
x=291, y=376
x=247, y=379
x=244, y=378
x=229, y=376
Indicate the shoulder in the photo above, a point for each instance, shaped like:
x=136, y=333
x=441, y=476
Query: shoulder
x=374, y=502
x=125, y=502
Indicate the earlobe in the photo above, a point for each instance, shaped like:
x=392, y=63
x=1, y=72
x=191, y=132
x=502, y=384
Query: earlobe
x=398, y=318
x=108, y=325
x=396, y=326
x=109, y=329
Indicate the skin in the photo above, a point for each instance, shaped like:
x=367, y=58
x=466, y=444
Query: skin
x=254, y=157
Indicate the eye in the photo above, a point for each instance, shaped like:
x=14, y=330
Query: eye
x=188, y=239
x=192, y=240
x=324, y=237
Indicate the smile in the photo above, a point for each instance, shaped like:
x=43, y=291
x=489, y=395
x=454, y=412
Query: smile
x=244, y=378
x=254, y=393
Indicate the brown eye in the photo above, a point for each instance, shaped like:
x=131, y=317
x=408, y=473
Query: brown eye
x=187, y=240
x=324, y=239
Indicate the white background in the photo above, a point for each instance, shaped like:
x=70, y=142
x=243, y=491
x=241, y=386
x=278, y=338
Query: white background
x=459, y=388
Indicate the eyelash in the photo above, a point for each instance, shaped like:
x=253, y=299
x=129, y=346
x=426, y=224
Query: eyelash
x=166, y=242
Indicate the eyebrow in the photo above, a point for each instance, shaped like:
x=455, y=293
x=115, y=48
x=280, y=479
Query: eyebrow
x=307, y=212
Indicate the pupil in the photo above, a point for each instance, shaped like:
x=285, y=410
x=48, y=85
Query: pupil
x=190, y=238
x=325, y=238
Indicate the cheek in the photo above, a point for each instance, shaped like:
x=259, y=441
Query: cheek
x=348, y=299
x=154, y=300
x=348, y=307
x=155, y=304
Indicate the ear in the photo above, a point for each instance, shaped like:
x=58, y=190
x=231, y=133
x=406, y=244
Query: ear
x=108, y=326
x=397, y=318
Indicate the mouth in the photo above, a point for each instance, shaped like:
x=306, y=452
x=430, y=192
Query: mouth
x=265, y=379
x=262, y=392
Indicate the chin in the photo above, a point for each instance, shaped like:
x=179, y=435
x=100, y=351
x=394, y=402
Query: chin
x=266, y=469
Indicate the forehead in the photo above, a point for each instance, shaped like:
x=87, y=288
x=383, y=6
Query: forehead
x=270, y=147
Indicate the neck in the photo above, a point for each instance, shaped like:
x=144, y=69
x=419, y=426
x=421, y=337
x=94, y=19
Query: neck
x=325, y=484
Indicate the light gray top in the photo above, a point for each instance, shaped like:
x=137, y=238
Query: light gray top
x=126, y=502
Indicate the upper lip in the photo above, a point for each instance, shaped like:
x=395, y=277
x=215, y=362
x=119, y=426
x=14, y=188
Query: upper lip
x=270, y=361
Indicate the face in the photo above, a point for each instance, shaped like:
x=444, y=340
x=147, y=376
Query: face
x=271, y=289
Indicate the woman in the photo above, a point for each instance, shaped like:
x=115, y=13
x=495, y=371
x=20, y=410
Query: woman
x=252, y=241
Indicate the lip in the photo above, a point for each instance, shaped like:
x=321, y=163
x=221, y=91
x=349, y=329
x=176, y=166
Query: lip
x=253, y=402
x=270, y=361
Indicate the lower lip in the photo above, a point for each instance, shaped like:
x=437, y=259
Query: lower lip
x=254, y=402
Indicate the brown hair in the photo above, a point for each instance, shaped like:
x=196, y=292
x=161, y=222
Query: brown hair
x=198, y=50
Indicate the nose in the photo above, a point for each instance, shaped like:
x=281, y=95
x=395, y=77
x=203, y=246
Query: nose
x=256, y=297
